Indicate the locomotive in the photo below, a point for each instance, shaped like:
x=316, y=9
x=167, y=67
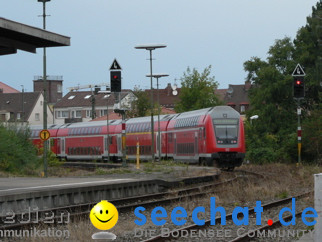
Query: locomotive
x=210, y=136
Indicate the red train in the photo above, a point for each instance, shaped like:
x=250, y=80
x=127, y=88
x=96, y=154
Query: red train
x=207, y=136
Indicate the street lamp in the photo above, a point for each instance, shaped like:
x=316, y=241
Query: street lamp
x=157, y=76
x=253, y=117
x=45, y=88
x=23, y=105
x=151, y=47
x=107, y=95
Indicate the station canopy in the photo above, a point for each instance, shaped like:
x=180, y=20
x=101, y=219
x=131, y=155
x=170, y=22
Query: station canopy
x=17, y=36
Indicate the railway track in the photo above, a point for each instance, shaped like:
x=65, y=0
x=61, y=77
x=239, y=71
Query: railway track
x=246, y=236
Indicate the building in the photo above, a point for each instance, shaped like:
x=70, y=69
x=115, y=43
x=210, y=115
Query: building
x=168, y=96
x=24, y=107
x=54, y=87
x=77, y=106
x=237, y=97
x=4, y=88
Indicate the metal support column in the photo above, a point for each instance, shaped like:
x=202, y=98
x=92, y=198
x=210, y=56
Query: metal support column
x=299, y=131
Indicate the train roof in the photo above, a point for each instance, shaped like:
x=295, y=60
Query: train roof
x=224, y=112
x=194, y=113
x=214, y=112
x=148, y=119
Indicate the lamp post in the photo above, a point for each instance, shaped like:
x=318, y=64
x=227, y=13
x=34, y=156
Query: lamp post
x=108, y=94
x=157, y=76
x=253, y=117
x=23, y=106
x=151, y=47
x=45, y=88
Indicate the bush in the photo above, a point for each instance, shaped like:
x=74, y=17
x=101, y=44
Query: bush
x=17, y=154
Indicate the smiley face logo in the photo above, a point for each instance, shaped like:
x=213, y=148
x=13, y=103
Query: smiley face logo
x=104, y=215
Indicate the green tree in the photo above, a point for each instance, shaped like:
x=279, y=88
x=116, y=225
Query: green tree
x=17, y=153
x=308, y=53
x=197, y=90
x=273, y=136
x=312, y=136
x=271, y=96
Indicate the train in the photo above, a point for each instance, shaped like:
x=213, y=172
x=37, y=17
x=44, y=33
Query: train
x=211, y=136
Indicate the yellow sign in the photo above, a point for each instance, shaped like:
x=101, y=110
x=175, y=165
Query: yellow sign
x=44, y=134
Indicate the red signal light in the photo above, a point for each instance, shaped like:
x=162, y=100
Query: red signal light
x=115, y=77
x=298, y=82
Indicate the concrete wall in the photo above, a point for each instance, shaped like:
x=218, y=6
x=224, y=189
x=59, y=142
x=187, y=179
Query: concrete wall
x=318, y=206
x=39, y=200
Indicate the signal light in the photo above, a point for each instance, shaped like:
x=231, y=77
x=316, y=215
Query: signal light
x=116, y=83
x=299, y=87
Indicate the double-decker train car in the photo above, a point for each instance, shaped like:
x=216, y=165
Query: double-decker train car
x=212, y=136
x=208, y=136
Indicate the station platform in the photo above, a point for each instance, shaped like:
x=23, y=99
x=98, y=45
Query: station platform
x=18, y=194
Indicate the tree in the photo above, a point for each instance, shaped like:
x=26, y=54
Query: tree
x=273, y=136
x=271, y=96
x=141, y=105
x=197, y=90
x=308, y=52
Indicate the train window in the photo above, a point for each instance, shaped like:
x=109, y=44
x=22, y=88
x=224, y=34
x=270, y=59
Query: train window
x=169, y=137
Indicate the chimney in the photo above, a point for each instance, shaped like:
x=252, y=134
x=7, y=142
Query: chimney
x=169, y=89
x=248, y=85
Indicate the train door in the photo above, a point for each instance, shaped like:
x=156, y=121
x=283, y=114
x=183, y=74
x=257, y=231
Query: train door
x=196, y=145
x=106, y=145
x=119, y=145
x=62, y=147
x=158, y=146
x=175, y=145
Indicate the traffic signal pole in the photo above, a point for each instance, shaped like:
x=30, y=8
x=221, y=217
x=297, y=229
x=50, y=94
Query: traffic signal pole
x=298, y=94
x=299, y=131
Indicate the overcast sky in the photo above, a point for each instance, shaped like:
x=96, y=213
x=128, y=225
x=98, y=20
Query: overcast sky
x=198, y=33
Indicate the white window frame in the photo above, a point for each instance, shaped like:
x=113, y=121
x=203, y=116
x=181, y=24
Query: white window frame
x=103, y=112
x=60, y=114
x=88, y=113
x=75, y=112
x=59, y=88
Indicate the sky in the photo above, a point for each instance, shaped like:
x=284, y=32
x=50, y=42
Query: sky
x=198, y=33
